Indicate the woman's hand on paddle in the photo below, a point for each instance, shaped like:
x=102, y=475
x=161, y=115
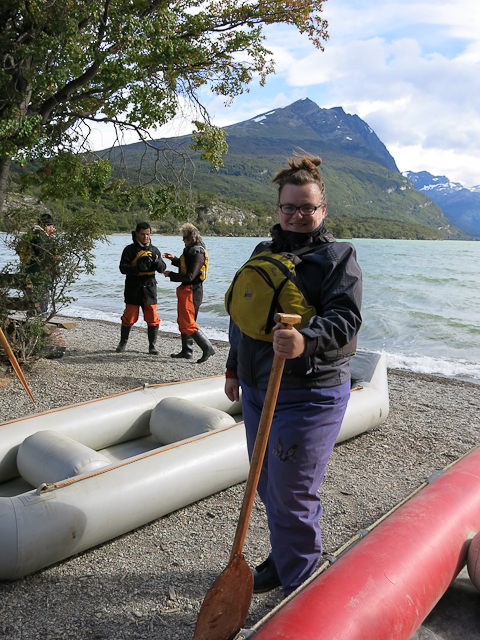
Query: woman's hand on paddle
x=287, y=343
x=232, y=389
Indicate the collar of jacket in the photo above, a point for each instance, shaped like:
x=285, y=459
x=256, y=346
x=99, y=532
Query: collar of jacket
x=136, y=241
x=291, y=240
x=195, y=248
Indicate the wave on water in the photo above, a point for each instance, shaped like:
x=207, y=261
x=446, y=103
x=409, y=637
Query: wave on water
x=76, y=311
x=449, y=368
x=461, y=369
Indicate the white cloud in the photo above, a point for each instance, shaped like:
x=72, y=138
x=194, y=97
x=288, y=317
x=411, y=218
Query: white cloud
x=368, y=18
x=440, y=162
x=409, y=68
x=460, y=18
x=471, y=55
x=415, y=97
x=248, y=107
x=102, y=136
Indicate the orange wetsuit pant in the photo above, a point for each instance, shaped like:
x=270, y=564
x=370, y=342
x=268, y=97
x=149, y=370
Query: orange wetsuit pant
x=130, y=315
x=186, y=310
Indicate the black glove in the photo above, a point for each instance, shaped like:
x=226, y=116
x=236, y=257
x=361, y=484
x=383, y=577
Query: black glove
x=159, y=265
x=145, y=264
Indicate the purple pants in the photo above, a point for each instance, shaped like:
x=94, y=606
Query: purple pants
x=304, y=428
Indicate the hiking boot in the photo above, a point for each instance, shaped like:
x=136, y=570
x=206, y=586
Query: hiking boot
x=204, y=344
x=265, y=577
x=124, y=333
x=187, y=348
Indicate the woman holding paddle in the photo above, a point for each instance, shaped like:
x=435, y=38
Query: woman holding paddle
x=325, y=288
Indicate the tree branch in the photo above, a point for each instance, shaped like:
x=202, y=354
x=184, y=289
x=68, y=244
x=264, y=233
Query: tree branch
x=64, y=94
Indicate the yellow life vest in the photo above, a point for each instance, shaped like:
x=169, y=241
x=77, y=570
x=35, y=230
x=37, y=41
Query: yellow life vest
x=203, y=270
x=266, y=284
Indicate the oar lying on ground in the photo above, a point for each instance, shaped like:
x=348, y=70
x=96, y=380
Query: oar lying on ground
x=225, y=608
x=14, y=363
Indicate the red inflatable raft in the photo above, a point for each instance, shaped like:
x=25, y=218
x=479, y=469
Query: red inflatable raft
x=386, y=585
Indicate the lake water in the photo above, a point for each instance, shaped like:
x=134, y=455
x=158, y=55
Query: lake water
x=421, y=304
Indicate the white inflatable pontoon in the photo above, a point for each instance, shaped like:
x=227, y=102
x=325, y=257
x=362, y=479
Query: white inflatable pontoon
x=76, y=477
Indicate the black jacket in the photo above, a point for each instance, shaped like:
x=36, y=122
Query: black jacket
x=41, y=250
x=140, y=284
x=190, y=265
x=332, y=280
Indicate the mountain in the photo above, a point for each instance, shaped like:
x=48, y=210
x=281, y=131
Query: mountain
x=459, y=204
x=362, y=180
x=304, y=120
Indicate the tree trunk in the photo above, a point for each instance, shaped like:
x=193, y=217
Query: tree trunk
x=4, y=173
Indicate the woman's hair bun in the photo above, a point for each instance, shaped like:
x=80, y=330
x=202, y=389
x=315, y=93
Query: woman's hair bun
x=316, y=160
x=302, y=169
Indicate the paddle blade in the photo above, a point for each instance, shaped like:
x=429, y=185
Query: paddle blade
x=225, y=608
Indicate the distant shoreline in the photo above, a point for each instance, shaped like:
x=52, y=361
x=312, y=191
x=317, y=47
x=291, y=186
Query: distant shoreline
x=206, y=235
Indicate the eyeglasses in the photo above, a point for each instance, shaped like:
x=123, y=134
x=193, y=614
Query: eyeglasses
x=305, y=210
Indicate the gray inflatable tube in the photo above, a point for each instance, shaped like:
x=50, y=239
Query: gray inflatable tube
x=106, y=467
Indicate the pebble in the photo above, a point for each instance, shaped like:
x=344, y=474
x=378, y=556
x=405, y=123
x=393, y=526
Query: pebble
x=150, y=583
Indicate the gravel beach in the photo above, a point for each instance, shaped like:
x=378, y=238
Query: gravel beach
x=151, y=582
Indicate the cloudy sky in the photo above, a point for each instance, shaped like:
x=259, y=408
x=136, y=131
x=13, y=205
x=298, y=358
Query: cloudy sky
x=409, y=68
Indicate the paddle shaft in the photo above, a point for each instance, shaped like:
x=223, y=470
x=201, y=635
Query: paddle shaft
x=225, y=608
x=287, y=320
x=14, y=363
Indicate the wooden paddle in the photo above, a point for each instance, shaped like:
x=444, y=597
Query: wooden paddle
x=225, y=608
x=14, y=363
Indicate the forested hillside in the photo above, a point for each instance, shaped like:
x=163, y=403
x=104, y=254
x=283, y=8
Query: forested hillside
x=363, y=185
x=367, y=196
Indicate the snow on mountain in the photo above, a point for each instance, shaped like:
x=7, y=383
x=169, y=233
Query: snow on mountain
x=424, y=181
x=461, y=205
x=305, y=120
